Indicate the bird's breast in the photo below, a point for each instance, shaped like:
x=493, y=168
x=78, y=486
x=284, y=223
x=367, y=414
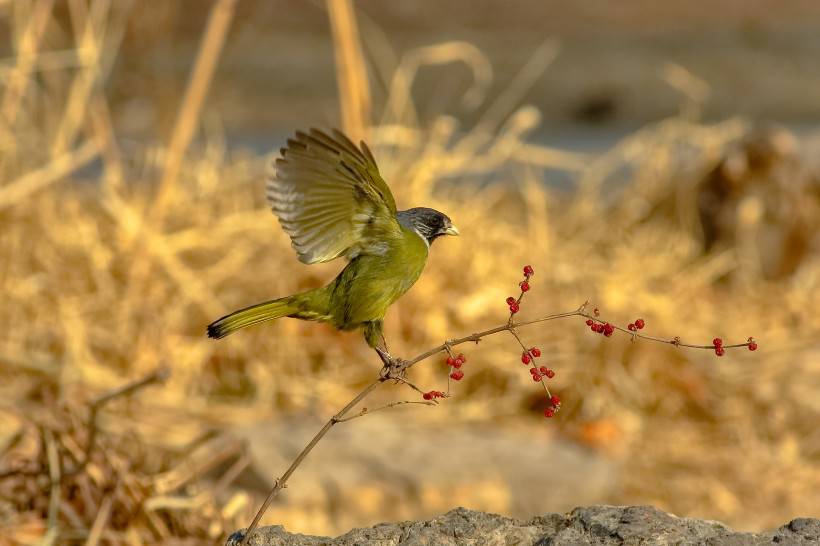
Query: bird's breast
x=369, y=284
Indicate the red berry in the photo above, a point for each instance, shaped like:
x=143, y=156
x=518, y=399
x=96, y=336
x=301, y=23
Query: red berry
x=555, y=400
x=461, y=357
x=536, y=376
x=549, y=412
x=720, y=351
x=450, y=360
x=717, y=342
x=608, y=329
x=535, y=351
x=543, y=370
x=525, y=358
x=549, y=373
x=528, y=271
x=639, y=324
x=457, y=363
x=590, y=322
x=457, y=375
x=510, y=300
x=533, y=371
x=428, y=395
x=631, y=327
x=514, y=308
x=524, y=285
x=752, y=346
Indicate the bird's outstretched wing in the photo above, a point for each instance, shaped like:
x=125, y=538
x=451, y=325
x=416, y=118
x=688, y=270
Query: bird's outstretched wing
x=331, y=199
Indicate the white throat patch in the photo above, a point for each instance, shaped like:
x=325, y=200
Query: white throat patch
x=423, y=238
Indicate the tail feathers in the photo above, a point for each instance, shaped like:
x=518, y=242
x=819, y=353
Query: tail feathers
x=252, y=315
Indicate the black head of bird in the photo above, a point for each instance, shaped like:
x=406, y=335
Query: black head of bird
x=429, y=223
x=332, y=201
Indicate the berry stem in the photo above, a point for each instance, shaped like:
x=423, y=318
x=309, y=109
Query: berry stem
x=675, y=341
x=532, y=360
x=366, y=411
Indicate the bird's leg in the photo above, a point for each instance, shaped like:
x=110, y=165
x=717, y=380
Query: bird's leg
x=394, y=368
x=384, y=355
x=375, y=338
x=384, y=343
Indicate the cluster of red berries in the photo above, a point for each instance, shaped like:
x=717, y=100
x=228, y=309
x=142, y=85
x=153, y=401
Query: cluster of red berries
x=537, y=372
x=607, y=329
x=432, y=395
x=717, y=343
x=637, y=325
x=456, y=363
x=513, y=303
x=555, y=405
x=528, y=356
x=540, y=373
x=604, y=328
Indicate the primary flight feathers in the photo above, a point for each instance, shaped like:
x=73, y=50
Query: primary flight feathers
x=331, y=199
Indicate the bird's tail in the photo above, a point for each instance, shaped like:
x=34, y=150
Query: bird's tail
x=254, y=314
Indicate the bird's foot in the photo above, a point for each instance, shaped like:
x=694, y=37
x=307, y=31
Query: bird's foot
x=394, y=368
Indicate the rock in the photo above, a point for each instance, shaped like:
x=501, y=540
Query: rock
x=590, y=525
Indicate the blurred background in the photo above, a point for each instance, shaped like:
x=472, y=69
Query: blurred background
x=657, y=159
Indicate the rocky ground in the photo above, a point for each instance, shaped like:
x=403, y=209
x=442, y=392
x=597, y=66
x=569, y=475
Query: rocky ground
x=591, y=525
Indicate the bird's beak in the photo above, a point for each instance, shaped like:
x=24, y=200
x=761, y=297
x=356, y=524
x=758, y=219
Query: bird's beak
x=451, y=230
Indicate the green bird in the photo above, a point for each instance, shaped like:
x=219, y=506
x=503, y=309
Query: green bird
x=332, y=202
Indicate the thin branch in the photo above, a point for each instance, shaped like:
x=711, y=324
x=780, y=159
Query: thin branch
x=281, y=483
x=409, y=384
x=365, y=411
x=385, y=374
x=397, y=367
x=532, y=361
x=95, y=406
x=157, y=376
x=478, y=336
x=55, y=479
x=676, y=341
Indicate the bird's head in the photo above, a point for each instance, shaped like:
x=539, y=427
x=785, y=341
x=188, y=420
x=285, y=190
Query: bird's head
x=428, y=223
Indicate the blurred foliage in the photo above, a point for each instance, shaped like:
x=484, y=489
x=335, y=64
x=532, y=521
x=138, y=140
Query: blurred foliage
x=702, y=229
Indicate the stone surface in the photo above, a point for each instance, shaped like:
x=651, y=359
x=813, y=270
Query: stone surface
x=589, y=525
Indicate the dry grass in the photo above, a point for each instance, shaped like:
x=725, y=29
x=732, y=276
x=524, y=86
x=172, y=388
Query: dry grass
x=733, y=439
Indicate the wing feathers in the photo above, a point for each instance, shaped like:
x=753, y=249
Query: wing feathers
x=330, y=198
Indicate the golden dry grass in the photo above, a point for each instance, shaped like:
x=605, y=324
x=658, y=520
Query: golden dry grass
x=734, y=439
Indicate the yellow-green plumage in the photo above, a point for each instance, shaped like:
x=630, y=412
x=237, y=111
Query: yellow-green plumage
x=331, y=200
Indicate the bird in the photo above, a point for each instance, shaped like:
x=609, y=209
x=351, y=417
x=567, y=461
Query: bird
x=332, y=202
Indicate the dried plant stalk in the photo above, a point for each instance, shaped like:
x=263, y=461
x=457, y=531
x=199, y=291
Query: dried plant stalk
x=351, y=71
